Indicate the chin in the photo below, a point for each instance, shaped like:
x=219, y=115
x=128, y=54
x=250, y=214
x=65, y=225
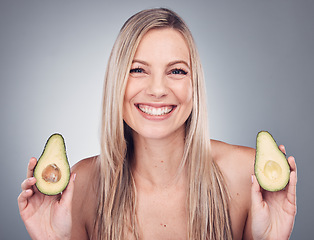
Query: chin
x=151, y=134
x=158, y=133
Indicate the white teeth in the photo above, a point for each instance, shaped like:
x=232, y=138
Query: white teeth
x=155, y=111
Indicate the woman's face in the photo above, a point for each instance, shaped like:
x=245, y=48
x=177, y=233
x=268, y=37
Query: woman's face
x=158, y=97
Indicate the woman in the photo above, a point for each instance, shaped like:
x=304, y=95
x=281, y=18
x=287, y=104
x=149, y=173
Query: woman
x=159, y=176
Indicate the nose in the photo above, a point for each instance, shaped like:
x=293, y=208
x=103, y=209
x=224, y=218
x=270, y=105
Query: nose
x=157, y=86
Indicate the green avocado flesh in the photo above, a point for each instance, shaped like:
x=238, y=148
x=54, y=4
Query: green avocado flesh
x=52, y=170
x=271, y=166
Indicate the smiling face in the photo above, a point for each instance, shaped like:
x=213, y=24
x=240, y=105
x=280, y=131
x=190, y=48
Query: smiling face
x=158, y=96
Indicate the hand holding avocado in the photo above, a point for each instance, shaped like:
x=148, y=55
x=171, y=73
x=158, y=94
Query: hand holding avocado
x=46, y=217
x=273, y=193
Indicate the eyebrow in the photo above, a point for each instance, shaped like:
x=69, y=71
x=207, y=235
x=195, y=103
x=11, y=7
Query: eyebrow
x=178, y=62
x=169, y=64
x=141, y=62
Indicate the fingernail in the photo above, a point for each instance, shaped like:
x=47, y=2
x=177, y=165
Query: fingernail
x=252, y=178
x=74, y=177
x=31, y=179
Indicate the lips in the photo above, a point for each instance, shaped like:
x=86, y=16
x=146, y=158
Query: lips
x=154, y=110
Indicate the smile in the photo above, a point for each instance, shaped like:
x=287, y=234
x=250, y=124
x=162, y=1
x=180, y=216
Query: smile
x=155, y=111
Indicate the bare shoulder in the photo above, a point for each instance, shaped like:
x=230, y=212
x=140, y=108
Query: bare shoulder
x=84, y=201
x=235, y=157
x=84, y=169
x=237, y=165
x=219, y=148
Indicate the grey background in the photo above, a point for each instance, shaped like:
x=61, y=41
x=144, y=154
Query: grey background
x=258, y=58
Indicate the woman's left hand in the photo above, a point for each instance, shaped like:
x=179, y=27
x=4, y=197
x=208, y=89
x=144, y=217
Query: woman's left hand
x=273, y=213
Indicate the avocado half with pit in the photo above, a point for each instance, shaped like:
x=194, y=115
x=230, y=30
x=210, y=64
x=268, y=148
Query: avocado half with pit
x=271, y=167
x=52, y=170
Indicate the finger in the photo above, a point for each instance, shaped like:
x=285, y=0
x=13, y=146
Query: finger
x=67, y=194
x=291, y=193
x=256, y=195
x=22, y=200
x=31, y=166
x=282, y=148
x=291, y=161
x=28, y=183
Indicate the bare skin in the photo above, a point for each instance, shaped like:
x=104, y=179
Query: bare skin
x=159, y=81
x=163, y=217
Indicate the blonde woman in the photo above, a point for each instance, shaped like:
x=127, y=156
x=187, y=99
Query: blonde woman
x=158, y=175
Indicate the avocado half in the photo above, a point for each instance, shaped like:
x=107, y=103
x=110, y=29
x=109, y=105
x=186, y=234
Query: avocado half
x=52, y=170
x=271, y=167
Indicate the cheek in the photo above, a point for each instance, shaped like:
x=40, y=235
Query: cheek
x=128, y=90
x=185, y=92
x=133, y=88
x=129, y=93
x=125, y=109
x=126, y=101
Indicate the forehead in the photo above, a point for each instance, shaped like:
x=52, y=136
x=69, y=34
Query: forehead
x=162, y=44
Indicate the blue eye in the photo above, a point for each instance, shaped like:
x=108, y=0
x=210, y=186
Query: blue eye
x=137, y=70
x=179, y=71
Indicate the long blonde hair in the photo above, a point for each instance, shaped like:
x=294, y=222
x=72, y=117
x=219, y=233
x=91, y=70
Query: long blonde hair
x=207, y=199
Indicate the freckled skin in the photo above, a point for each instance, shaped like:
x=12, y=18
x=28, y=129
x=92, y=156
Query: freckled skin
x=162, y=213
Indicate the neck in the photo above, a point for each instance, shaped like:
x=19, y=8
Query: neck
x=157, y=161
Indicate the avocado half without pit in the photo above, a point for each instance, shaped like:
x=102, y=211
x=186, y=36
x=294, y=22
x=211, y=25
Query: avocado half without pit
x=271, y=167
x=52, y=170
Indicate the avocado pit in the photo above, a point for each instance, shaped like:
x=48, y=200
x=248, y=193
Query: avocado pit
x=52, y=173
x=272, y=170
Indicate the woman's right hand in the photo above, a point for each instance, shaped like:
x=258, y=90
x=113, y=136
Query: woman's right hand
x=45, y=217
